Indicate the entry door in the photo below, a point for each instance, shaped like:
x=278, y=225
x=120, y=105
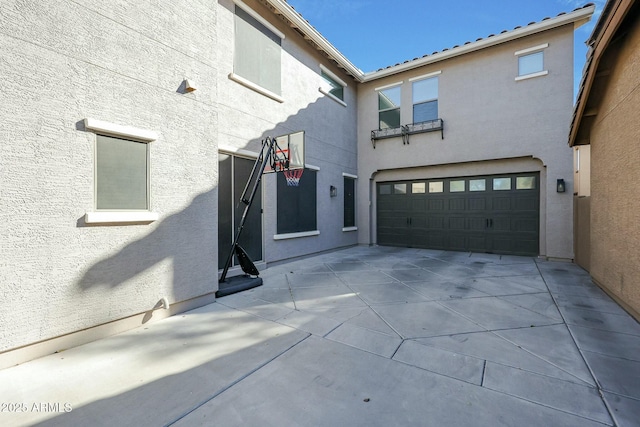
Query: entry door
x=233, y=175
x=495, y=214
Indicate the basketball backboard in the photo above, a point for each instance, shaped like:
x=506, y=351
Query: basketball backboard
x=287, y=148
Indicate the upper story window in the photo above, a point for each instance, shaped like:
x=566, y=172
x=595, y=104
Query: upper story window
x=531, y=62
x=257, y=57
x=332, y=85
x=389, y=106
x=425, y=98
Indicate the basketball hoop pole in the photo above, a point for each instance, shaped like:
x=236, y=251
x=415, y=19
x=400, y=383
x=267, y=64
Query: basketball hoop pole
x=259, y=167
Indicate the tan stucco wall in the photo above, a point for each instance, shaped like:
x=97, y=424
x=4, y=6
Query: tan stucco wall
x=488, y=117
x=615, y=174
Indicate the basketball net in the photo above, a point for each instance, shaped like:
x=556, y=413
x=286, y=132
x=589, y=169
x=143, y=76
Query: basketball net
x=293, y=176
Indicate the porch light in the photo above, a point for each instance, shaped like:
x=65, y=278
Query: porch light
x=560, y=187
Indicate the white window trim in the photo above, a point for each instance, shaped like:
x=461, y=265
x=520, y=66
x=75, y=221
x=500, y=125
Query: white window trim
x=425, y=76
x=130, y=133
x=104, y=217
x=531, y=49
x=235, y=151
x=257, y=88
x=346, y=229
x=348, y=175
x=389, y=86
x=255, y=15
x=527, y=51
x=337, y=80
x=532, y=75
x=296, y=235
x=332, y=96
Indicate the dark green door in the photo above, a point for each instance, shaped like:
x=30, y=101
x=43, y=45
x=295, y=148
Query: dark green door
x=494, y=214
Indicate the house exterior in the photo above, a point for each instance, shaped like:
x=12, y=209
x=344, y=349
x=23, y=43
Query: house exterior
x=129, y=132
x=605, y=136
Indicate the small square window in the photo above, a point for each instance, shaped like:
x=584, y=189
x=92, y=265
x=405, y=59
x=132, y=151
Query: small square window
x=122, y=174
x=418, y=188
x=456, y=186
x=477, y=185
x=525, y=183
x=436, y=187
x=332, y=86
x=500, y=184
x=400, y=189
x=384, y=189
x=529, y=64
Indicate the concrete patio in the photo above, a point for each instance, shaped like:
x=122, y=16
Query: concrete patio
x=359, y=337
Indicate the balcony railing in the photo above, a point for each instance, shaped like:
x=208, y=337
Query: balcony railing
x=405, y=130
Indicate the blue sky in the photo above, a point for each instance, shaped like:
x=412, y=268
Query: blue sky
x=374, y=34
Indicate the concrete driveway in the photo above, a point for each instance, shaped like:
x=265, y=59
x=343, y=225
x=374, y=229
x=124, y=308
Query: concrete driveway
x=359, y=337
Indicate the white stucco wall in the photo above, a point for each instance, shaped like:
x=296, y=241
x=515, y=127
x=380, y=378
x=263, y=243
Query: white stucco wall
x=488, y=116
x=122, y=63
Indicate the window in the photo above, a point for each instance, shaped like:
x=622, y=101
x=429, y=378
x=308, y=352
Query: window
x=531, y=62
x=425, y=100
x=297, y=205
x=436, y=187
x=349, y=201
x=389, y=107
x=501, y=184
x=477, y=185
x=122, y=174
x=332, y=86
x=257, y=53
x=456, y=186
x=525, y=183
x=399, y=188
x=418, y=188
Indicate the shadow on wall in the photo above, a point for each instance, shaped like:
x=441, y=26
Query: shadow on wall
x=188, y=238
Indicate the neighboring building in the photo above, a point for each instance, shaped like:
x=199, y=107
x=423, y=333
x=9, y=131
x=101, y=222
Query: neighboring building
x=129, y=131
x=605, y=134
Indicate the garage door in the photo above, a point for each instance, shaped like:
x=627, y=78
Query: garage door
x=494, y=214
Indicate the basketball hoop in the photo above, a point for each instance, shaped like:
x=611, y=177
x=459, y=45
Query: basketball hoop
x=293, y=176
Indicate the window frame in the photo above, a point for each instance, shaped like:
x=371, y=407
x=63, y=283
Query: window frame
x=329, y=78
x=238, y=77
x=435, y=75
x=535, y=50
x=305, y=233
x=347, y=227
x=381, y=89
x=126, y=133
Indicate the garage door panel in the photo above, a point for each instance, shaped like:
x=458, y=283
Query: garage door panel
x=463, y=214
x=457, y=205
x=477, y=204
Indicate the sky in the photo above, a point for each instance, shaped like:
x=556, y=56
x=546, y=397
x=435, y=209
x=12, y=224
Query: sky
x=374, y=34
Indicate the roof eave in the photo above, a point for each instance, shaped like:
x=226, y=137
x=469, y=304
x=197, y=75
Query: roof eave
x=577, y=17
x=299, y=22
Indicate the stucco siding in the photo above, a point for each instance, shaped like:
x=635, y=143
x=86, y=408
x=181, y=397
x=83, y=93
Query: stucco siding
x=246, y=117
x=615, y=155
x=124, y=64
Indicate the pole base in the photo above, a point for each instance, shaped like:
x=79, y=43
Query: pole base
x=231, y=285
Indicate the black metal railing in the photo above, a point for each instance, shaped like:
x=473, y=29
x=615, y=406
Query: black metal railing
x=405, y=130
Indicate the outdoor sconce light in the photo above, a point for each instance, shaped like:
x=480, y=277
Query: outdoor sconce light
x=189, y=86
x=560, y=187
x=333, y=191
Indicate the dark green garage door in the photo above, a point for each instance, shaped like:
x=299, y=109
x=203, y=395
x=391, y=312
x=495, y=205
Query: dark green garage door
x=495, y=214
